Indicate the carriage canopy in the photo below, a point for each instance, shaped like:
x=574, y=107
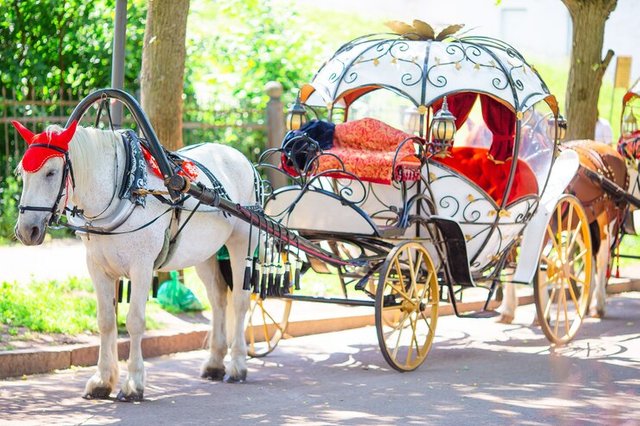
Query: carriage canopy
x=424, y=71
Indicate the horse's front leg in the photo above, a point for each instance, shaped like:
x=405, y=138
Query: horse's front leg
x=133, y=387
x=105, y=379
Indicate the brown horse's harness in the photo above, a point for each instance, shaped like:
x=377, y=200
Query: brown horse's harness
x=604, y=160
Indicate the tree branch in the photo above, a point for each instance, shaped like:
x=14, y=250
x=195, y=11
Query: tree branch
x=605, y=62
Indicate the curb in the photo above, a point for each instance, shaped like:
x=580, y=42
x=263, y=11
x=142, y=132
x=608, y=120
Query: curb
x=156, y=343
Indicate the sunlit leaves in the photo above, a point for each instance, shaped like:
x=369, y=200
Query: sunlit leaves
x=48, y=47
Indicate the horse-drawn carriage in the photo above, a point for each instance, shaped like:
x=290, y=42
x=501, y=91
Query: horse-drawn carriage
x=436, y=167
x=411, y=211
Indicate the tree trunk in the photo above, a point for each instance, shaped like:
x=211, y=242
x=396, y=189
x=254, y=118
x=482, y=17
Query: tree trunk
x=587, y=67
x=162, y=79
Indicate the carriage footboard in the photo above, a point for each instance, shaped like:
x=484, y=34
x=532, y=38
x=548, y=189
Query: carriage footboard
x=457, y=260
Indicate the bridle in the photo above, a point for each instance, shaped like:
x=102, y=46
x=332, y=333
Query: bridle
x=67, y=171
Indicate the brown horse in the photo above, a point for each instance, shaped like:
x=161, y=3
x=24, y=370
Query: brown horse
x=604, y=213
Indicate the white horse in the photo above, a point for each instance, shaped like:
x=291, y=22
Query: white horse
x=98, y=164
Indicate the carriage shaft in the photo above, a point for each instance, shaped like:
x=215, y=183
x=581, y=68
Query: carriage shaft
x=210, y=197
x=611, y=187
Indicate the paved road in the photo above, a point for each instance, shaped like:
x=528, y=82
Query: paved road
x=479, y=372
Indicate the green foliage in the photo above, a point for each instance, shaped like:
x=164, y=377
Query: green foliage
x=630, y=245
x=50, y=47
x=254, y=42
x=9, y=199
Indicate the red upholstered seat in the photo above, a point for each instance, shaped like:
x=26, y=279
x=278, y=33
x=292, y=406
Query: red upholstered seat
x=492, y=177
x=367, y=148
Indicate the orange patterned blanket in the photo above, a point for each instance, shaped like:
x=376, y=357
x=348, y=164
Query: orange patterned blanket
x=370, y=149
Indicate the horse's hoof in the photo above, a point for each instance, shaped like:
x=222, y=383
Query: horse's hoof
x=98, y=393
x=596, y=313
x=239, y=378
x=134, y=397
x=214, y=374
x=505, y=319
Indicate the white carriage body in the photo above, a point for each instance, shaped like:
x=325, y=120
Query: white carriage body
x=423, y=72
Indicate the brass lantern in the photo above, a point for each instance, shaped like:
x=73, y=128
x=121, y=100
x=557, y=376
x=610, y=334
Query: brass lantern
x=411, y=119
x=561, y=124
x=629, y=123
x=297, y=115
x=443, y=130
x=562, y=127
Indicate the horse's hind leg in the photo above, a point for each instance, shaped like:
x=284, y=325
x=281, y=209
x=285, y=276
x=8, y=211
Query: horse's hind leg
x=237, y=246
x=105, y=379
x=133, y=387
x=209, y=273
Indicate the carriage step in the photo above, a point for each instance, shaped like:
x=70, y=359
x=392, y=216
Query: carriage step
x=391, y=231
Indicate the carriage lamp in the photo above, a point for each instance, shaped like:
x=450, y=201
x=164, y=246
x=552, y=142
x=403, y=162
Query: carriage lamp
x=629, y=123
x=443, y=130
x=561, y=123
x=297, y=115
x=411, y=119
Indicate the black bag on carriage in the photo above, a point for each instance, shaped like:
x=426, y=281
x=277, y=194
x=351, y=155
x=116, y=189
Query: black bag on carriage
x=302, y=145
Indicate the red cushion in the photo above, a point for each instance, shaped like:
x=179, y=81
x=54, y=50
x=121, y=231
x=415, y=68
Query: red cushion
x=492, y=177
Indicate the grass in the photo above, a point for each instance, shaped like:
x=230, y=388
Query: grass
x=630, y=245
x=67, y=307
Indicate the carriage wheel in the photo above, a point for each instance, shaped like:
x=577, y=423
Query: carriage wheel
x=564, y=279
x=267, y=322
x=406, y=306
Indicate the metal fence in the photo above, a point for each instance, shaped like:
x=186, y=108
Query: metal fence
x=244, y=129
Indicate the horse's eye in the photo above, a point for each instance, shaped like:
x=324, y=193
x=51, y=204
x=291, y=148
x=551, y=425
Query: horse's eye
x=51, y=173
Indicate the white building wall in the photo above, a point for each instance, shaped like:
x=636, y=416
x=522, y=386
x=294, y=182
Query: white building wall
x=623, y=34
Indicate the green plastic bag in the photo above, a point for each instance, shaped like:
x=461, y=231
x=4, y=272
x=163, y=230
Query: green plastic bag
x=175, y=296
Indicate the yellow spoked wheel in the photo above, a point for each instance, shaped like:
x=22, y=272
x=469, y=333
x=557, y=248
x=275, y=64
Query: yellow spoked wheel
x=267, y=322
x=564, y=280
x=406, y=306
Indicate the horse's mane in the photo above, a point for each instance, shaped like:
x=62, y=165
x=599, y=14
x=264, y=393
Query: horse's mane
x=88, y=146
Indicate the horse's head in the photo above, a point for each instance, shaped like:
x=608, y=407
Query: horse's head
x=45, y=170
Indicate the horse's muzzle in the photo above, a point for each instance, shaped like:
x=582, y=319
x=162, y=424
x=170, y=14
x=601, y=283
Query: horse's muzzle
x=31, y=234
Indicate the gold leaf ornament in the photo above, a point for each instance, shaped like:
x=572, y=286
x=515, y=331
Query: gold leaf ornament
x=403, y=29
x=424, y=30
x=421, y=30
x=450, y=30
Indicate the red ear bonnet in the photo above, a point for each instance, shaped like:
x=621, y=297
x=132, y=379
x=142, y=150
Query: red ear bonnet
x=43, y=146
